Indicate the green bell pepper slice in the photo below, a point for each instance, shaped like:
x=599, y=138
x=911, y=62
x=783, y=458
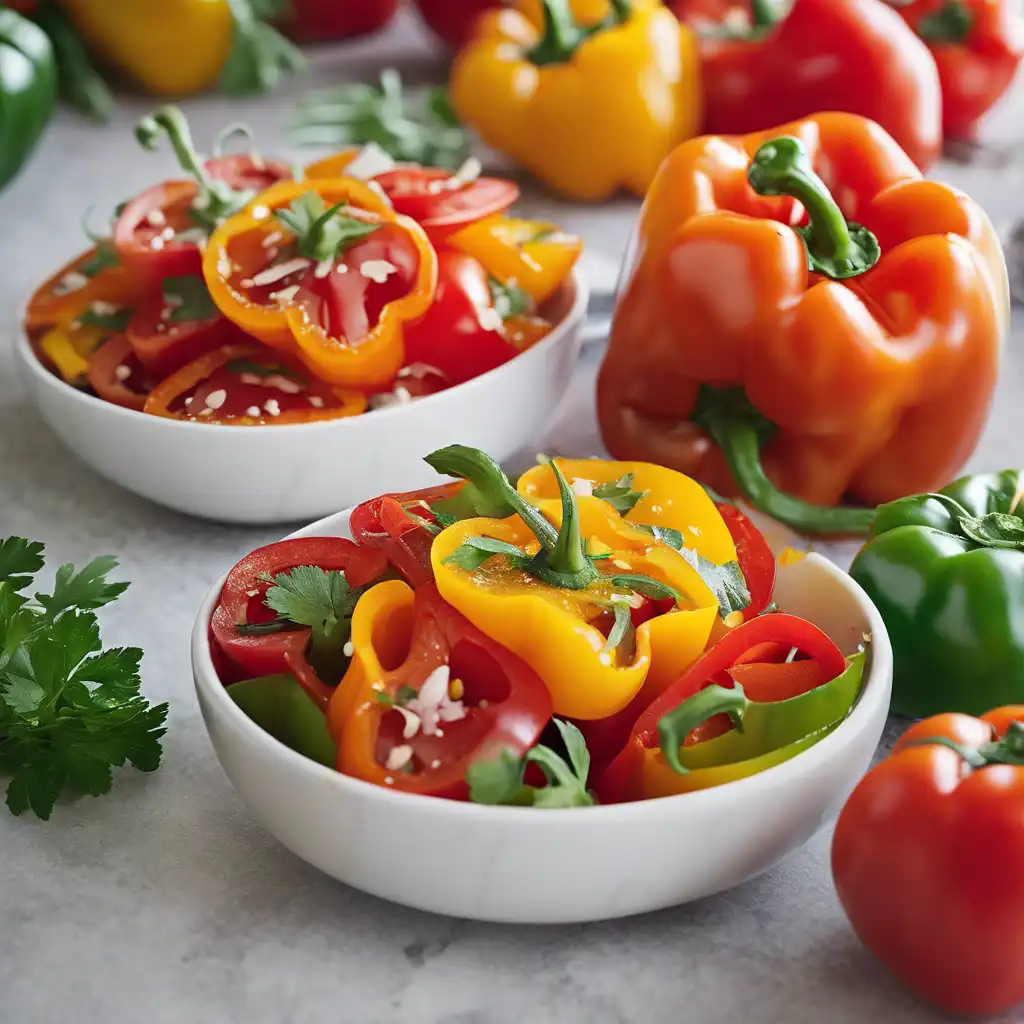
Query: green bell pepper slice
x=946, y=572
x=281, y=707
x=760, y=728
x=28, y=89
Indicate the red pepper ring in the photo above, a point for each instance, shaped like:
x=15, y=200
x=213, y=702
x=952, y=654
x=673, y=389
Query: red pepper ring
x=619, y=777
x=384, y=522
x=757, y=562
x=117, y=376
x=401, y=640
x=241, y=602
x=163, y=398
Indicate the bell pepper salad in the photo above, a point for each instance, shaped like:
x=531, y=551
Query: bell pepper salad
x=246, y=292
x=597, y=631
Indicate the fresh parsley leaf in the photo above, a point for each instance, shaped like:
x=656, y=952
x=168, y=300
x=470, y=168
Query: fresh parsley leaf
x=509, y=299
x=102, y=259
x=88, y=588
x=188, y=298
x=403, y=695
x=70, y=712
x=769, y=609
x=725, y=581
x=500, y=780
x=323, y=600
x=265, y=370
x=260, y=56
x=640, y=584
x=322, y=232
x=474, y=551
x=620, y=494
x=113, y=322
x=623, y=620
x=665, y=534
x=19, y=560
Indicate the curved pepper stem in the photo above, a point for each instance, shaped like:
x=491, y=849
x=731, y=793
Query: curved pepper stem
x=836, y=248
x=566, y=565
x=740, y=431
x=563, y=34
x=674, y=727
x=216, y=200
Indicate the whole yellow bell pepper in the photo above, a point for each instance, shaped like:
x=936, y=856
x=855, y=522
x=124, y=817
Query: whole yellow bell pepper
x=586, y=108
x=178, y=47
x=548, y=582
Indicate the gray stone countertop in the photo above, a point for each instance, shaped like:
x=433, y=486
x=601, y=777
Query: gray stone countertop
x=166, y=902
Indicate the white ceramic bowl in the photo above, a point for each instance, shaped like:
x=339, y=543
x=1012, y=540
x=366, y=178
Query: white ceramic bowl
x=271, y=474
x=559, y=866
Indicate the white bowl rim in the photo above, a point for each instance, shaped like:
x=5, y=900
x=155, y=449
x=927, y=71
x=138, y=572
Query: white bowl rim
x=813, y=759
x=574, y=316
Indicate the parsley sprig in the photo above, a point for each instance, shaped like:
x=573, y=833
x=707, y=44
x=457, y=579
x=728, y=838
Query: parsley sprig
x=501, y=780
x=620, y=494
x=321, y=599
x=70, y=711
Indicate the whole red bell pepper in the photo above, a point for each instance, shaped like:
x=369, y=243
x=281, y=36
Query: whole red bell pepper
x=452, y=21
x=318, y=20
x=927, y=859
x=857, y=56
x=977, y=46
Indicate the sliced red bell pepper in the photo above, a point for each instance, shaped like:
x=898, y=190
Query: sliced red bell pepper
x=117, y=376
x=386, y=523
x=428, y=694
x=621, y=780
x=177, y=323
x=242, y=598
x=757, y=562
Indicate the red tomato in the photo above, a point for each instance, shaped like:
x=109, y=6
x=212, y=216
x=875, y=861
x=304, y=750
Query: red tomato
x=315, y=20
x=461, y=332
x=427, y=195
x=454, y=20
x=927, y=859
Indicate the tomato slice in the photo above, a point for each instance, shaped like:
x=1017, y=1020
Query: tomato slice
x=439, y=201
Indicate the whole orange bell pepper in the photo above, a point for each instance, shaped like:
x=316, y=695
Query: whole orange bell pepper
x=854, y=347
x=324, y=269
x=586, y=108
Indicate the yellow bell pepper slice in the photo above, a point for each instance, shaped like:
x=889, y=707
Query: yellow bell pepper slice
x=556, y=630
x=534, y=255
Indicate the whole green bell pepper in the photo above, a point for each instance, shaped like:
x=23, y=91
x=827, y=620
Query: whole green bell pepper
x=946, y=572
x=28, y=89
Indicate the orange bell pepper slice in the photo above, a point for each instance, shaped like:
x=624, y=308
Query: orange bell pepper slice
x=535, y=255
x=340, y=308
x=247, y=386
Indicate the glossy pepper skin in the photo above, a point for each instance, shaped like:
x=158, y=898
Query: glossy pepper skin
x=28, y=89
x=977, y=46
x=871, y=379
x=926, y=861
x=238, y=249
x=856, y=56
x=319, y=20
x=946, y=572
x=405, y=644
x=180, y=47
x=677, y=745
x=552, y=629
x=586, y=110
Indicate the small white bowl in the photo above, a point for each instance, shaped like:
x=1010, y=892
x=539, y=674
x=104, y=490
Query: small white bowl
x=275, y=474
x=514, y=864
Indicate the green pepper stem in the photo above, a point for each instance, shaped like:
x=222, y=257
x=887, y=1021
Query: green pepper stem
x=622, y=11
x=674, y=727
x=562, y=34
x=170, y=121
x=486, y=475
x=835, y=248
x=949, y=25
x=568, y=555
x=763, y=14
x=740, y=433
